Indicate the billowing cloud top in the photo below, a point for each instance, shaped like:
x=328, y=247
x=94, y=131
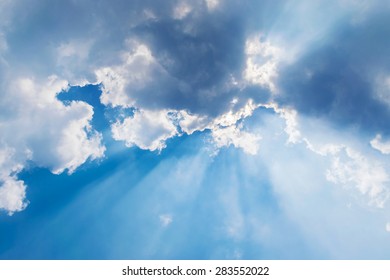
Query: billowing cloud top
x=179, y=67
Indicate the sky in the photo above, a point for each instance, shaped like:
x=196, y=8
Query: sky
x=209, y=129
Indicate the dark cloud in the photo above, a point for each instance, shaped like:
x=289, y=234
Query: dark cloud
x=39, y=28
x=202, y=59
x=337, y=80
x=201, y=54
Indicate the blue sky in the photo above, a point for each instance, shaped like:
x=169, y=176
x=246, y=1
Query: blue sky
x=210, y=129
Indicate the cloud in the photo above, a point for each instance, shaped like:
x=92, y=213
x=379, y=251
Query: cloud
x=349, y=163
x=190, y=123
x=122, y=83
x=184, y=67
x=226, y=129
x=261, y=62
x=177, y=70
x=351, y=169
x=337, y=79
x=290, y=117
x=166, y=219
x=58, y=136
x=147, y=129
x=350, y=166
x=12, y=191
x=378, y=144
x=177, y=57
x=326, y=212
x=12, y=195
x=233, y=135
x=134, y=65
x=39, y=128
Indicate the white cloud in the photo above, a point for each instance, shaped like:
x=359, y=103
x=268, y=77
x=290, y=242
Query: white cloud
x=119, y=82
x=233, y=116
x=149, y=129
x=38, y=127
x=388, y=227
x=298, y=180
x=12, y=191
x=225, y=130
x=58, y=136
x=146, y=129
x=12, y=195
x=234, y=135
x=290, y=116
x=378, y=144
x=228, y=129
x=78, y=144
x=9, y=163
x=189, y=123
x=351, y=169
x=291, y=122
x=262, y=59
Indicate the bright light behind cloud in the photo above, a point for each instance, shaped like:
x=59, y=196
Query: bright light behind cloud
x=232, y=103
x=262, y=62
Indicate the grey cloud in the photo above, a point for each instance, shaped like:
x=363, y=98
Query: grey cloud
x=336, y=81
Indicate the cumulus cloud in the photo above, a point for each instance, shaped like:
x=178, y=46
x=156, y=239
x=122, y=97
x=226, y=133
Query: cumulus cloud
x=12, y=195
x=189, y=123
x=12, y=190
x=38, y=127
x=176, y=57
x=147, y=129
x=226, y=129
x=121, y=83
x=64, y=140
